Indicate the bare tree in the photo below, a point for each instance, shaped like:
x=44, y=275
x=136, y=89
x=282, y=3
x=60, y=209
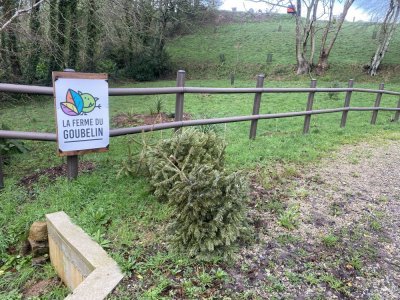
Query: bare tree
x=305, y=34
x=305, y=29
x=308, y=12
x=332, y=28
x=387, y=30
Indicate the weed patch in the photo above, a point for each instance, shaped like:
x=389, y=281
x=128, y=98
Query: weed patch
x=289, y=219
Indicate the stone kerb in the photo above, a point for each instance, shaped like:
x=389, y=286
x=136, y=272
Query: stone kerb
x=80, y=262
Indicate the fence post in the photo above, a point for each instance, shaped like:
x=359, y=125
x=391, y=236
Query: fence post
x=377, y=104
x=397, y=114
x=72, y=160
x=1, y=173
x=72, y=167
x=346, y=104
x=256, y=106
x=310, y=102
x=180, y=82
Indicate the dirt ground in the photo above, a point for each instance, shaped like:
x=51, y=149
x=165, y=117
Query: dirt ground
x=129, y=119
x=345, y=238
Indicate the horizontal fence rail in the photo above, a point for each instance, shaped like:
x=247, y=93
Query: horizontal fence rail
x=51, y=137
x=40, y=90
x=180, y=90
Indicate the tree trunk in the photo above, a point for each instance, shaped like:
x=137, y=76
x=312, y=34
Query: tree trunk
x=10, y=43
x=4, y=65
x=13, y=52
x=92, y=36
x=303, y=35
x=379, y=55
x=34, y=45
x=386, y=34
x=61, y=30
x=53, y=37
x=73, y=35
x=323, y=63
x=302, y=63
x=303, y=66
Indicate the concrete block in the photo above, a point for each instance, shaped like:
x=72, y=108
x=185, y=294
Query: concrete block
x=79, y=261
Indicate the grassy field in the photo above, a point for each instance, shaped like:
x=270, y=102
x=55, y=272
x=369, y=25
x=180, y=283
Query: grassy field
x=121, y=213
x=245, y=45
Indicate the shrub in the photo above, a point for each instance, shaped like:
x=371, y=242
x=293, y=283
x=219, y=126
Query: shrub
x=208, y=203
x=146, y=66
x=107, y=66
x=8, y=146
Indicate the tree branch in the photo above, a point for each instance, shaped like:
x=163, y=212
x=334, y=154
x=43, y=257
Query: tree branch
x=19, y=12
x=280, y=3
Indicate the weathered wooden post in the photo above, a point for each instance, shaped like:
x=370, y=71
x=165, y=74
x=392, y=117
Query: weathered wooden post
x=397, y=114
x=180, y=97
x=310, y=103
x=1, y=173
x=256, y=106
x=72, y=160
x=377, y=104
x=346, y=104
x=72, y=166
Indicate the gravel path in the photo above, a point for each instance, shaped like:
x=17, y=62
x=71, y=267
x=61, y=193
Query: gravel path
x=346, y=240
x=364, y=181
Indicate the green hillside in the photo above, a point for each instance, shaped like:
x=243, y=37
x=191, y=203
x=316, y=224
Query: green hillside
x=245, y=46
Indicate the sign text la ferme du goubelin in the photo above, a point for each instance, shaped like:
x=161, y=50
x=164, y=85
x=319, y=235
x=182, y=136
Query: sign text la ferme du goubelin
x=81, y=102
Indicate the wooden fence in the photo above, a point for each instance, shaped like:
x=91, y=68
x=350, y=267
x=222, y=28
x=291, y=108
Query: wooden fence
x=180, y=90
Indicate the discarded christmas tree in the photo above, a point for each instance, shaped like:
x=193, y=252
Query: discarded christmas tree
x=208, y=203
x=183, y=152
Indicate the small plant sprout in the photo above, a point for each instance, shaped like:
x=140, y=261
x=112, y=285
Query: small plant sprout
x=330, y=240
x=221, y=274
x=355, y=261
x=289, y=219
x=157, y=107
x=375, y=225
x=131, y=115
x=311, y=278
x=335, y=209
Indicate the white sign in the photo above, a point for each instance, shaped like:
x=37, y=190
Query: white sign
x=82, y=113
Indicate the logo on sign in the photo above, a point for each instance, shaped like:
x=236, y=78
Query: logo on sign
x=78, y=103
